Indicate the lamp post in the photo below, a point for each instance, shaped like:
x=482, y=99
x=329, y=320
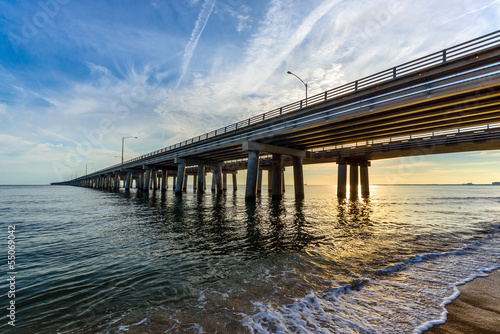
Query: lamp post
x=300, y=81
x=123, y=144
x=91, y=163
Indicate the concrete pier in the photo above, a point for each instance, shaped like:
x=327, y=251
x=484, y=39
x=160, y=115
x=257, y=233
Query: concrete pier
x=147, y=180
x=224, y=181
x=116, y=183
x=181, y=168
x=214, y=181
x=365, y=184
x=155, y=180
x=195, y=182
x=353, y=180
x=128, y=181
x=201, y=179
x=218, y=180
x=252, y=171
x=342, y=179
x=184, y=187
x=163, y=180
x=259, y=181
x=235, y=182
x=298, y=177
x=277, y=171
x=269, y=181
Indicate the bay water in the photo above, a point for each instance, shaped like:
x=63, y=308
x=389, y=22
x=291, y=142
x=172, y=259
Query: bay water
x=91, y=261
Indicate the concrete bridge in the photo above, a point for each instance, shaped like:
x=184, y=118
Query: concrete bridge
x=445, y=102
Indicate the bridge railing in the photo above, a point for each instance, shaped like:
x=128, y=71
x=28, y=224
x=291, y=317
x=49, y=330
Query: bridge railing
x=470, y=47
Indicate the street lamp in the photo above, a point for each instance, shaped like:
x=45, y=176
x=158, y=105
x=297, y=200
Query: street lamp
x=301, y=81
x=123, y=143
x=91, y=163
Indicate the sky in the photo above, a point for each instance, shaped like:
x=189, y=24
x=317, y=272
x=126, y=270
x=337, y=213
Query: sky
x=77, y=76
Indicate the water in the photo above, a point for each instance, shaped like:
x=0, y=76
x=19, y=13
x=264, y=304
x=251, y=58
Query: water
x=90, y=261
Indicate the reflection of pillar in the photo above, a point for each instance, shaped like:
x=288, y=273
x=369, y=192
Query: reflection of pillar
x=252, y=171
x=353, y=179
x=259, y=181
x=277, y=170
x=181, y=169
x=201, y=179
x=298, y=177
x=342, y=179
x=365, y=184
x=235, y=182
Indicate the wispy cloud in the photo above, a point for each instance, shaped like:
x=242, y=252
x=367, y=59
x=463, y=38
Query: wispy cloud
x=485, y=155
x=199, y=26
x=410, y=165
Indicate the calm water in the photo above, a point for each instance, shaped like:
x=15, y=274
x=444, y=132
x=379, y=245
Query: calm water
x=90, y=261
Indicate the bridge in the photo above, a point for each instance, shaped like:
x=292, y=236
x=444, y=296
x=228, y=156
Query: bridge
x=445, y=102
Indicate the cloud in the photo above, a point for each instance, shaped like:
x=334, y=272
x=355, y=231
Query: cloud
x=199, y=26
x=409, y=165
x=486, y=154
x=3, y=109
x=453, y=171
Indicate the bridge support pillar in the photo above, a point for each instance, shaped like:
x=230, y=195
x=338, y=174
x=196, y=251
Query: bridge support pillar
x=116, y=182
x=163, y=180
x=184, y=187
x=214, y=181
x=283, y=178
x=235, y=182
x=224, y=181
x=269, y=181
x=342, y=179
x=195, y=182
x=259, y=181
x=277, y=171
x=147, y=180
x=353, y=180
x=179, y=185
x=365, y=184
x=128, y=181
x=218, y=179
x=201, y=179
x=252, y=171
x=298, y=177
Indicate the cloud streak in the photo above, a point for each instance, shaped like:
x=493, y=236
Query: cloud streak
x=199, y=26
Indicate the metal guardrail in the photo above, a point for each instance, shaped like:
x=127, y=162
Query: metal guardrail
x=441, y=57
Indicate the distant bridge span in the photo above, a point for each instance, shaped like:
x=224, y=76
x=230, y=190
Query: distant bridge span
x=441, y=103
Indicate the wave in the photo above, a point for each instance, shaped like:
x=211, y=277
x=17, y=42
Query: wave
x=407, y=297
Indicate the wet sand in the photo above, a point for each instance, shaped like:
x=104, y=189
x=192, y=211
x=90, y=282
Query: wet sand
x=476, y=310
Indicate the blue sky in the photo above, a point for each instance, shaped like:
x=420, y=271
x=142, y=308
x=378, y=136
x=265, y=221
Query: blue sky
x=76, y=76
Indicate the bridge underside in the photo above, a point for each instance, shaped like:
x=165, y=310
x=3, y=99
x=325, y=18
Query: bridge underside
x=450, y=107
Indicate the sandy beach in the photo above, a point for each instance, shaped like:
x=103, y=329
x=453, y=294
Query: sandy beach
x=476, y=310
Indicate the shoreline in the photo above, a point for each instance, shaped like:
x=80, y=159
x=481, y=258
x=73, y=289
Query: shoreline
x=476, y=310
